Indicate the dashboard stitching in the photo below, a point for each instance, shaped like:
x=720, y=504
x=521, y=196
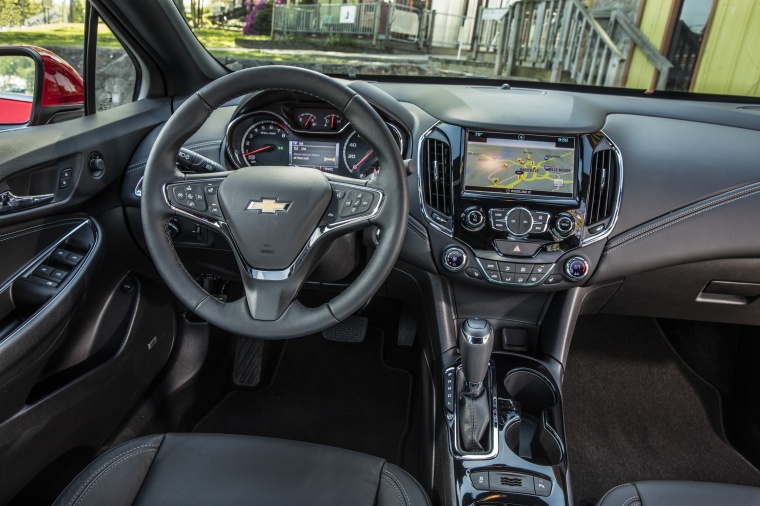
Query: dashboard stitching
x=690, y=214
x=734, y=194
x=413, y=227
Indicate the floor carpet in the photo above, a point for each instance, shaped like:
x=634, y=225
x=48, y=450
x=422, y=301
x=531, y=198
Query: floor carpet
x=333, y=393
x=632, y=412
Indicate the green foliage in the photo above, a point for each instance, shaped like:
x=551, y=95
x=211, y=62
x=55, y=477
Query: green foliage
x=340, y=41
x=262, y=23
x=15, y=68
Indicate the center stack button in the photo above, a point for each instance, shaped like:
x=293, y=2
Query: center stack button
x=519, y=221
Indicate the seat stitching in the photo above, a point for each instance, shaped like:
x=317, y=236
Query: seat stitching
x=601, y=501
x=121, y=454
x=408, y=500
x=113, y=466
x=398, y=493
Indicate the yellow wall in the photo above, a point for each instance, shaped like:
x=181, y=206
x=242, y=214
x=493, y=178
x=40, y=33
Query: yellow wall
x=654, y=22
x=731, y=60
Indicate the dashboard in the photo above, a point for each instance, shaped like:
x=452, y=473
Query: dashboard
x=529, y=191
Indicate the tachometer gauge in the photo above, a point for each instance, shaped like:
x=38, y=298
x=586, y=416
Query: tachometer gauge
x=307, y=120
x=265, y=143
x=359, y=157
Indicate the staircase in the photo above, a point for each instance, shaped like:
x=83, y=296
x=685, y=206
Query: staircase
x=559, y=41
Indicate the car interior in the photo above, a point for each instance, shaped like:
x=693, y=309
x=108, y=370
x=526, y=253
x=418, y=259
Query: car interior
x=274, y=286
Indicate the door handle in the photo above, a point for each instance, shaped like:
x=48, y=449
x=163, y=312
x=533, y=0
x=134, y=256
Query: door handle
x=10, y=203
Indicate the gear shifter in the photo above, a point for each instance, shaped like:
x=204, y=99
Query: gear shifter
x=475, y=345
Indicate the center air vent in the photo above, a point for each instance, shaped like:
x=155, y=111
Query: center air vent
x=437, y=176
x=602, y=192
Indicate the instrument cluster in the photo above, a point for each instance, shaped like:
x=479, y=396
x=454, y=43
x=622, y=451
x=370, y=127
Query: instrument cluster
x=321, y=138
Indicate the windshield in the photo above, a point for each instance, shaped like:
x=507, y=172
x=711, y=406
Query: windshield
x=697, y=46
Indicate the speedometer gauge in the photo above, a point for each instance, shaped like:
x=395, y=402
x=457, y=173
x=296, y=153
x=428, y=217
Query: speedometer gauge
x=359, y=157
x=265, y=143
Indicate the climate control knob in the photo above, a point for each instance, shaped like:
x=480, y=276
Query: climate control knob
x=473, y=218
x=454, y=258
x=564, y=224
x=576, y=268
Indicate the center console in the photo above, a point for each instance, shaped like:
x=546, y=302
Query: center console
x=518, y=210
x=520, y=457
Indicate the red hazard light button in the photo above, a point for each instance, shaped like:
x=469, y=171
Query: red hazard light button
x=517, y=248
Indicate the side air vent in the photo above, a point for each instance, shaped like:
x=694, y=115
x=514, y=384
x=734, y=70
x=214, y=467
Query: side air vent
x=437, y=183
x=603, y=185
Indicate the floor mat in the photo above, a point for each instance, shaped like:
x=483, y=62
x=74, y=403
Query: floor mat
x=632, y=414
x=327, y=392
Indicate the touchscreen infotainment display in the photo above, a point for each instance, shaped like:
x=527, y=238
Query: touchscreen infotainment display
x=520, y=164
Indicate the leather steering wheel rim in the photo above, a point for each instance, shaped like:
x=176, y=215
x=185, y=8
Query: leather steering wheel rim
x=161, y=170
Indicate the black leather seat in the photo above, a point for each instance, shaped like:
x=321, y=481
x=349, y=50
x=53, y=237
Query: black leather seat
x=229, y=470
x=680, y=493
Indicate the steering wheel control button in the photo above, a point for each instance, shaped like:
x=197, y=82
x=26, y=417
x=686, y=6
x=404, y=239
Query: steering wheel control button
x=354, y=202
x=517, y=249
x=474, y=273
x=576, y=268
x=454, y=258
x=553, y=279
x=564, y=225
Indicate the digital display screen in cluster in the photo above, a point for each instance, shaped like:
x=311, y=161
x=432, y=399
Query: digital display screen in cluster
x=314, y=154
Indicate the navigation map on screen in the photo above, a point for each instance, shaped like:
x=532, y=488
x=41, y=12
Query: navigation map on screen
x=520, y=164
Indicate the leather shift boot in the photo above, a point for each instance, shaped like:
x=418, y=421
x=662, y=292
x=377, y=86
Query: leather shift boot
x=474, y=416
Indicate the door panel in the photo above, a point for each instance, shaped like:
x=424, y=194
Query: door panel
x=84, y=325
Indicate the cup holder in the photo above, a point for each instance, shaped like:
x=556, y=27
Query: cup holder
x=533, y=440
x=530, y=436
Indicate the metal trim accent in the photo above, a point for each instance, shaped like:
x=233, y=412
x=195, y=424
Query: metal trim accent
x=427, y=216
x=319, y=232
x=443, y=257
x=619, y=198
x=454, y=448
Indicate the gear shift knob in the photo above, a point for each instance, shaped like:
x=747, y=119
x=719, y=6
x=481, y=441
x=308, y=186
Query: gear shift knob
x=475, y=345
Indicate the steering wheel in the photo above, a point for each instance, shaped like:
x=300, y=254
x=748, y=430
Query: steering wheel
x=279, y=221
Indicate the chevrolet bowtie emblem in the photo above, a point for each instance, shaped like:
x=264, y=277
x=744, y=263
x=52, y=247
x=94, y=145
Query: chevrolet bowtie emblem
x=269, y=206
